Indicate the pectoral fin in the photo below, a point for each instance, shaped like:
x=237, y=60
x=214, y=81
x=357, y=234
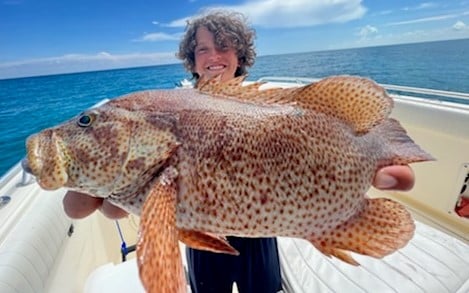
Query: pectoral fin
x=206, y=241
x=158, y=255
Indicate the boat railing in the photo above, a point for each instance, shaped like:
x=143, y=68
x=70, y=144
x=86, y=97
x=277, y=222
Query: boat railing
x=286, y=79
x=425, y=91
x=440, y=95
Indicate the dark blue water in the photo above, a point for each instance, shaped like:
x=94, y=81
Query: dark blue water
x=31, y=104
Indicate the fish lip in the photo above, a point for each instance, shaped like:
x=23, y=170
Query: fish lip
x=31, y=164
x=46, y=162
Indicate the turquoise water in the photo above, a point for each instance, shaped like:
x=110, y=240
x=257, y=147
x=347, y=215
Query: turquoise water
x=31, y=104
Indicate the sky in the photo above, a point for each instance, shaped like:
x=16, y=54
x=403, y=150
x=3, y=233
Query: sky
x=41, y=37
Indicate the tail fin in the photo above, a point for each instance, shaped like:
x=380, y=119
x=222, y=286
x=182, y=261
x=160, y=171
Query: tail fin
x=399, y=148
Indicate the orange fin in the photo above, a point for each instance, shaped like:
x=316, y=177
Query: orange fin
x=216, y=86
x=206, y=241
x=359, y=101
x=234, y=89
x=158, y=256
x=382, y=227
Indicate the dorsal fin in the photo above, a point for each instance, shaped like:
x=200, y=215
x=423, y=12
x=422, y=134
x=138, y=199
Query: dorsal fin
x=360, y=102
x=234, y=88
x=215, y=85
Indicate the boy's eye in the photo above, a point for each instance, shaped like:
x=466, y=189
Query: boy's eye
x=201, y=50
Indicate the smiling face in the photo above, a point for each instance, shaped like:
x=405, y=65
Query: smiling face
x=211, y=61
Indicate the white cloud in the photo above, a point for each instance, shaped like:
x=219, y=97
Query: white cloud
x=294, y=13
x=104, y=54
x=459, y=26
x=414, y=36
x=367, y=31
x=82, y=62
x=426, y=19
x=426, y=5
x=158, y=37
x=385, y=12
x=178, y=22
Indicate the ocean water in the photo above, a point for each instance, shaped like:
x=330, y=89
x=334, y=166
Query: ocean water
x=31, y=104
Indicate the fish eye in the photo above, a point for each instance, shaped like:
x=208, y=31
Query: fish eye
x=84, y=120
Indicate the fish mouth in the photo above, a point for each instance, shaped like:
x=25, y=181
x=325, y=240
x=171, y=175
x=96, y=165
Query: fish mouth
x=45, y=161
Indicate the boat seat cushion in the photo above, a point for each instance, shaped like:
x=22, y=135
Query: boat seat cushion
x=29, y=252
x=432, y=262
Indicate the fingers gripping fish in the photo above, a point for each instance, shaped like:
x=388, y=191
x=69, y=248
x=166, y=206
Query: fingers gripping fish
x=225, y=159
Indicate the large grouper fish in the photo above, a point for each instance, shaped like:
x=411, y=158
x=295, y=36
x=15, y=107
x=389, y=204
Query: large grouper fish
x=225, y=159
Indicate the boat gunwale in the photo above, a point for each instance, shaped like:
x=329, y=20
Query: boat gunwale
x=441, y=96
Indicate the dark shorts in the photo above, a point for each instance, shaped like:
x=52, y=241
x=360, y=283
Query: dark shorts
x=256, y=269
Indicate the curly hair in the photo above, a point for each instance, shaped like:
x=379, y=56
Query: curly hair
x=229, y=29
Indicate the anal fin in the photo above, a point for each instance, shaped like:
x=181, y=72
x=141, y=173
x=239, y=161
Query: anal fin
x=382, y=227
x=206, y=241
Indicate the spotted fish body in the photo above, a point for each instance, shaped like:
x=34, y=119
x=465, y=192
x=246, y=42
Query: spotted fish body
x=225, y=159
